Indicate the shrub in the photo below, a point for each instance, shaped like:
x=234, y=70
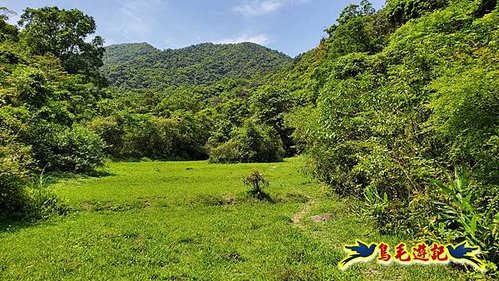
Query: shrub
x=401, y=11
x=256, y=181
x=465, y=111
x=109, y=129
x=134, y=136
x=42, y=203
x=462, y=215
x=15, y=160
x=250, y=143
x=227, y=152
x=20, y=199
x=73, y=149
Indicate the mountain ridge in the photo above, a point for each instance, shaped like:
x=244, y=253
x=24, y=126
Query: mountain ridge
x=141, y=65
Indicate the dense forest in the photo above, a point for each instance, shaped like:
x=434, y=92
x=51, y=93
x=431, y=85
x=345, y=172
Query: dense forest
x=141, y=66
x=398, y=107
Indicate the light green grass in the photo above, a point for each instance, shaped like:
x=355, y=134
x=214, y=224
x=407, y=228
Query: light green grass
x=193, y=221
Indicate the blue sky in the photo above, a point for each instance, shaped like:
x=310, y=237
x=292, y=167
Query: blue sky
x=290, y=26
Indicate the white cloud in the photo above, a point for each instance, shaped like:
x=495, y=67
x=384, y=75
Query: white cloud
x=260, y=39
x=138, y=17
x=253, y=8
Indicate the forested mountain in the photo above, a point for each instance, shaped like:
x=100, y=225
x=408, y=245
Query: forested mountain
x=136, y=66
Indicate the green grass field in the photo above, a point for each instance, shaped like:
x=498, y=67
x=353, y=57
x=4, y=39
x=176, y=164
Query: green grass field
x=193, y=221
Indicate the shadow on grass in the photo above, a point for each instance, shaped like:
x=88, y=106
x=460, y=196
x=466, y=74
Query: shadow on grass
x=8, y=224
x=56, y=177
x=226, y=200
x=11, y=224
x=50, y=205
x=261, y=195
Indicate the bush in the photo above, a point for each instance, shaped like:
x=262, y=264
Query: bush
x=465, y=213
x=174, y=138
x=250, y=143
x=42, y=203
x=465, y=111
x=15, y=160
x=109, y=129
x=19, y=198
x=135, y=136
x=228, y=152
x=401, y=11
x=73, y=149
x=256, y=181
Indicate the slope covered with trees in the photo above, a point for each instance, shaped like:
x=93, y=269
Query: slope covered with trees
x=141, y=66
x=403, y=111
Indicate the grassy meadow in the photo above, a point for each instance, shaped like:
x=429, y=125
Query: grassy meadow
x=194, y=221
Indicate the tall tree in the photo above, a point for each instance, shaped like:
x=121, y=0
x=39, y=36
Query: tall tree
x=7, y=31
x=63, y=33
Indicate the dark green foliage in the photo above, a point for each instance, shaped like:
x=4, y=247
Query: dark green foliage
x=213, y=89
x=168, y=126
x=191, y=102
x=41, y=103
x=354, y=11
x=465, y=107
x=173, y=138
x=463, y=214
x=250, y=143
x=140, y=66
x=47, y=76
x=268, y=105
x=63, y=33
x=189, y=122
x=73, y=149
x=20, y=198
x=401, y=11
x=389, y=120
x=7, y=31
x=359, y=29
x=15, y=162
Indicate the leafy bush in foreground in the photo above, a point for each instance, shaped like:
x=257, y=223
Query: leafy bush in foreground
x=76, y=149
x=19, y=198
x=14, y=166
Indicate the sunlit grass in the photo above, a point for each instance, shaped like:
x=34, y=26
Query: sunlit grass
x=193, y=221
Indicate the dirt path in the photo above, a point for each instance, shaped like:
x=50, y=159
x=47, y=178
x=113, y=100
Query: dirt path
x=298, y=217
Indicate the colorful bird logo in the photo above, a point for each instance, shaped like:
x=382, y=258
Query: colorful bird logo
x=358, y=253
x=463, y=253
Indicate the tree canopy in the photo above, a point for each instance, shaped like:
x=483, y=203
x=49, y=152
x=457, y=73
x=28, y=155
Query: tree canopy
x=136, y=66
x=63, y=33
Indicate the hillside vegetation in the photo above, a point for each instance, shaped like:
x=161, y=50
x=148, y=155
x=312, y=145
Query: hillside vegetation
x=402, y=109
x=141, y=66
